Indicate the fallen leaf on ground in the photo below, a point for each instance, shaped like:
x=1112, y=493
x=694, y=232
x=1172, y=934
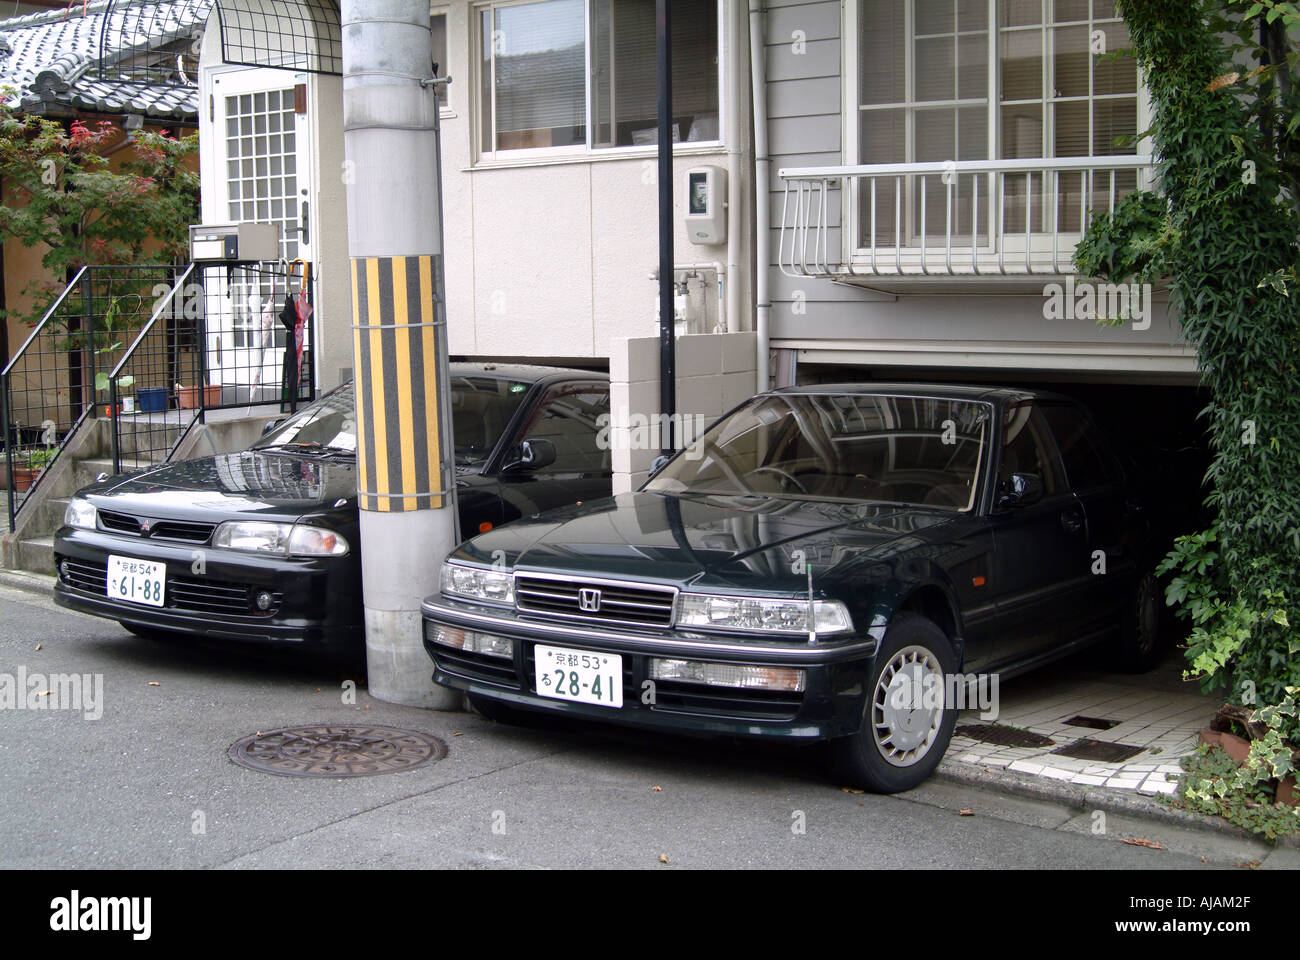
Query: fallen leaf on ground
x=965, y=813
x=457, y=733
x=663, y=858
x=1248, y=864
x=367, y=706
x=851, y=790
x=39, y=645
x=154, y=683
x=657, y=789
x=1142, y=842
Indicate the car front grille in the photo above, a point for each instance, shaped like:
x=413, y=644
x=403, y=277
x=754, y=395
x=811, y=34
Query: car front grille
x=182, y=593
x=631, y=603
x=183, y=531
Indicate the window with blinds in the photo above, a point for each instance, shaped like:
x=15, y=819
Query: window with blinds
x=923, y=79
x=534, y=87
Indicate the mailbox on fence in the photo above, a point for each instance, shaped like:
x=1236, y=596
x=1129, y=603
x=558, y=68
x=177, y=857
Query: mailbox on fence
x=234, y=242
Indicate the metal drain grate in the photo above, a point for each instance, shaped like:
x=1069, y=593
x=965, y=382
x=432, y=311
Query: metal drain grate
x=996, y=733
x=1098, y=750
x=336, y=751
x=1095, y=723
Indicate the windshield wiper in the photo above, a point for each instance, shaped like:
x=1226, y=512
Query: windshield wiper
x=311, y=446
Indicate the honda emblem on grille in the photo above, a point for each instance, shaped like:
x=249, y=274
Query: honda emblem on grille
x=589, y=600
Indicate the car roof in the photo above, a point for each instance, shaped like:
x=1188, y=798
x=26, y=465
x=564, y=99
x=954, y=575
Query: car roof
x=523, y=372
x=944, y=391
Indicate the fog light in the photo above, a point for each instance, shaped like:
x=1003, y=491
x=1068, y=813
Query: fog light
x=472, y=642
x=786, y=679
x=263, y=600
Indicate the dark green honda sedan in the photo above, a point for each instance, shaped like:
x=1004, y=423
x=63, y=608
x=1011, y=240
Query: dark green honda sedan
x=851, y=564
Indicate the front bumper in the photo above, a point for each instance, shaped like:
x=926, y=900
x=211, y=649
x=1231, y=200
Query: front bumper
x=316, y=602
x=831, y=704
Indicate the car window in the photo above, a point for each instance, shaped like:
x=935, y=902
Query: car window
x=845, y=448
x=1088, y=462
x=1027, y=448
x=569, y=416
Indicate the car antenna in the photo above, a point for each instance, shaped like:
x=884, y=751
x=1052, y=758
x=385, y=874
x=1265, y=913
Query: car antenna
x=812, y=608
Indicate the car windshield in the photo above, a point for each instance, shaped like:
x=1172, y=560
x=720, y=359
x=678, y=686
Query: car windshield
x=481, y=408
x=912, y=450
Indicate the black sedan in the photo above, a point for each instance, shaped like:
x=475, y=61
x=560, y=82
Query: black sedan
x=262, y=545
x=845, y=564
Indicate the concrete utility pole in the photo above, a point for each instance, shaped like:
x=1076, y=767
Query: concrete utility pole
x=405, y=476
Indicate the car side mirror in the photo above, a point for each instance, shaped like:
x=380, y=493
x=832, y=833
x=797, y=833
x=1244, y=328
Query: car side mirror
x=534, y=454
x=659, y=463
x=271, y=425
x=1021, y=490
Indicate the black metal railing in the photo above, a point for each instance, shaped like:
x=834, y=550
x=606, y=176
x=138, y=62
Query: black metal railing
x=153, y=349
x=59, y=376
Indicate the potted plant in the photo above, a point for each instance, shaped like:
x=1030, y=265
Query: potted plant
x=101, y=386
x=190, y=397
x=28, y=465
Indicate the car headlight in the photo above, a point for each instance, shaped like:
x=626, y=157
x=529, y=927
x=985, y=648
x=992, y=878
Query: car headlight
x=477, y=583
x=281, y=539
x=760, y=614
x=80, y=514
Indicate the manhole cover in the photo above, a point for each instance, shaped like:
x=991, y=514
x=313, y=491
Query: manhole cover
x=1095, y=723
x=329, y=751
x=1098, y=750
x=1003, y=736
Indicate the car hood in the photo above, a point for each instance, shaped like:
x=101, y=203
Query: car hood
x=756, y=543
x=252, y=481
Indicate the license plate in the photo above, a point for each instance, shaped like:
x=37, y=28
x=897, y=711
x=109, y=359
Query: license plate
x=579, y=675
x=137, y=581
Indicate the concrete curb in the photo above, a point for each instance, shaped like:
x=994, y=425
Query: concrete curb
x=1093, y=798
x=42, y=583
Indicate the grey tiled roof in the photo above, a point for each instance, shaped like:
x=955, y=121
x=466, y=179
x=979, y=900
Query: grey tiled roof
x=52, y=59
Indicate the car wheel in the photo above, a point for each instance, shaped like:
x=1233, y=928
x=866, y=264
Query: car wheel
x=498, y=711
x=907, y=721
x=1138, y=647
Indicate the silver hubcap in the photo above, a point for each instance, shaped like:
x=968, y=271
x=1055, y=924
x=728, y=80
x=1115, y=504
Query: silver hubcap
x=907, y=706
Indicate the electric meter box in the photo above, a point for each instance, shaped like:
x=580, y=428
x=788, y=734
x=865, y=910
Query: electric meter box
x=234, y=242
x=706, y=205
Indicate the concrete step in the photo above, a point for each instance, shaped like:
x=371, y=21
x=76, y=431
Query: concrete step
x=51, y=516
x=156, y=438
x=87, y=471
x=37, y=554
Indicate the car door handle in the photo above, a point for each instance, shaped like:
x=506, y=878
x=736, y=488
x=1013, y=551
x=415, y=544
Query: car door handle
x=1071, y=521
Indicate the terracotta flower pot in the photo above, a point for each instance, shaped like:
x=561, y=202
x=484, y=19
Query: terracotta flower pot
x=1286, y=792
x=188, y=397
x=1236, y=748
x=24, y=477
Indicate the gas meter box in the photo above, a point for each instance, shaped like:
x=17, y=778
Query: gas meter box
x=706, y=205
x=234, y=242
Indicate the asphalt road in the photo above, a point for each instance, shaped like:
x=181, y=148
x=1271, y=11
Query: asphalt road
x=134, y=787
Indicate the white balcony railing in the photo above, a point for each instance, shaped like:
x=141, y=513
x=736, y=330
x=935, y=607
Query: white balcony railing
x=1007, y=218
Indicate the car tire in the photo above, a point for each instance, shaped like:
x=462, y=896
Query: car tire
x=897, y=747
x=1137, y=649
x=497, y=711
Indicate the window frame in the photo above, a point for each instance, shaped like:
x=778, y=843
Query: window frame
x=443, y=10
x=855, y=247
x=585, y=151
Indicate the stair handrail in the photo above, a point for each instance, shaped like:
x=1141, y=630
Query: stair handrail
x=74, y=282
x=163, y=307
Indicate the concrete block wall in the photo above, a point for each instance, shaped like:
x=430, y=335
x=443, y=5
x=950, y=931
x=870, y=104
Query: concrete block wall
x=715, y=372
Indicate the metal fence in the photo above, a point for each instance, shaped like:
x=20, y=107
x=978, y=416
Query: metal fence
x=151, y=349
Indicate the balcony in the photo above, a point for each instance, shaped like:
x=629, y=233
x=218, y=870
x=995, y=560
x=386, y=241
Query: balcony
x=919, y=226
